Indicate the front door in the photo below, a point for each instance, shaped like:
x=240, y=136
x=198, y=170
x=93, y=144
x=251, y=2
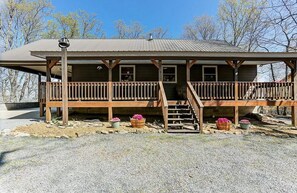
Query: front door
x=173, y=77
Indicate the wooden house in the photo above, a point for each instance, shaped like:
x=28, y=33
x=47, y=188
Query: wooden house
x=181, y=79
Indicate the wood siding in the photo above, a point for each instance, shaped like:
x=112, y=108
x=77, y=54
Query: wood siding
x=89, y=73
x=226, y=73
x=149, y=72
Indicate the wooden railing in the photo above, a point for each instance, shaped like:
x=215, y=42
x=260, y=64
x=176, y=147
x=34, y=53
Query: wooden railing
x=246, y=90
x=42, y=92
x=79, y=91
x=164, y=104
x=98, y=91
x=214, y=90
x=265, y=90
x=196, y=104
x=135, y=91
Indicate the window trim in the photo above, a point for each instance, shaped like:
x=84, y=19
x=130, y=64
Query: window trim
x=175, y=73
x=120, y=72
x=216, y=68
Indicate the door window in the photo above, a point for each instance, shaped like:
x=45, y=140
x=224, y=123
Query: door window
x=210, y=73
x=127, y=73
x=169, y=74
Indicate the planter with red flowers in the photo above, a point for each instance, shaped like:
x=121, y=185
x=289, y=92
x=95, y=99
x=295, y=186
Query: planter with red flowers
x=115, y=122
x=223, y=124
x=137, y=121
x=244, y=124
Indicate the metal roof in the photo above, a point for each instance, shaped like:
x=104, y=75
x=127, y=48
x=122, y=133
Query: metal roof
x=136, y=45
x=32, y=56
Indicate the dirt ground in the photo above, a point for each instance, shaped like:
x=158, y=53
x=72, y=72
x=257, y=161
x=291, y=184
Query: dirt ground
x=260, y=124
x=80, y=126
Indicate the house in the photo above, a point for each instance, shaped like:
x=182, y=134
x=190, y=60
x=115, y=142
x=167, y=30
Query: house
x=184, y=80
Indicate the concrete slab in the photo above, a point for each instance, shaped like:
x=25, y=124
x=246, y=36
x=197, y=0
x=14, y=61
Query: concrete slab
x=14, y=118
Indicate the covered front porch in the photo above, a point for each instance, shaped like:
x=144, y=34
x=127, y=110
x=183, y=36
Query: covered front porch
x=152, y=94
x=154, y=73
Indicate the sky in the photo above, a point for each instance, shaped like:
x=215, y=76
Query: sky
x=170, y=14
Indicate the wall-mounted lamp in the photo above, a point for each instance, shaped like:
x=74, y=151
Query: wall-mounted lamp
x=99, y=68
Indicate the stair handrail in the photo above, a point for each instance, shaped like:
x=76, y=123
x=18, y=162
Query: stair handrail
x=164, y=104
x=196, y=104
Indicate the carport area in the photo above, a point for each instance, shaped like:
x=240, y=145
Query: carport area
x=9, y=119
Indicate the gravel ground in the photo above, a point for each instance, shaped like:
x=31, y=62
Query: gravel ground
x=149, y=163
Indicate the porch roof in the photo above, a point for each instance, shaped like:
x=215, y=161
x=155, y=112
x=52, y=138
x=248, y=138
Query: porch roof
x=31, y=57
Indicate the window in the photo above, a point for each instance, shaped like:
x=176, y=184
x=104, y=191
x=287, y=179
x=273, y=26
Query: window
x=210, y=73
x=127, y=73
x=169, y=74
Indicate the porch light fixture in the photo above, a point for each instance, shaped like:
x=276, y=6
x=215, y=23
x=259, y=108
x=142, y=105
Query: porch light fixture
x=64, y=43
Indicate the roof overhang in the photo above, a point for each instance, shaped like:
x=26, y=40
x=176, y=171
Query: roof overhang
x=248, y=56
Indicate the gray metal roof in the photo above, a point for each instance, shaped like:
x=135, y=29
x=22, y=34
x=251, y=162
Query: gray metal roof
x=136, y=45
x=116, y=45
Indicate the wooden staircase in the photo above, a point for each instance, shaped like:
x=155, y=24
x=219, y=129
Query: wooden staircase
x=182, y=119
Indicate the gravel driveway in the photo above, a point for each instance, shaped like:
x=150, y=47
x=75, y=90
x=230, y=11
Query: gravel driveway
x=149, y=163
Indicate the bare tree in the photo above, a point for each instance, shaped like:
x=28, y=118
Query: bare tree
x=21, y=23
x=282, y=16
x=158, y=33
x=124, y=31
x=136, y=31
x=242, y=22
x=203, y=28
x=74, y=25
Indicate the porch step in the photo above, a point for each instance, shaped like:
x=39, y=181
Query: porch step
x=175, y=124
x=172, y=114
x=181, y=119
x=183, y=109
x=178, y=105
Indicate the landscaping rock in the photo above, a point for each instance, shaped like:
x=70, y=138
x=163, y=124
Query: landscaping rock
x=104, y=132
x=65, y=137
x=22, y=135
x=123, y=132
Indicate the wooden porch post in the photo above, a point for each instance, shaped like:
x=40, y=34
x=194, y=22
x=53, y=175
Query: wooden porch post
x=41, y=113
x=235, y=65
x=189, y=65
x=236, y=117
x=50, y=63
x=64, y=87
x=110, y=65
x=294, y=81
x=110, y=93
x=48, y=114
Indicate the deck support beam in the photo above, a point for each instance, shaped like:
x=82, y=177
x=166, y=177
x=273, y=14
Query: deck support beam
x=50, y=63
x=41, y=110
x=293, y=66
x=158, y=64
x=189, y=64
x=235, y=64
x=110, y=65
x=64, y=87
